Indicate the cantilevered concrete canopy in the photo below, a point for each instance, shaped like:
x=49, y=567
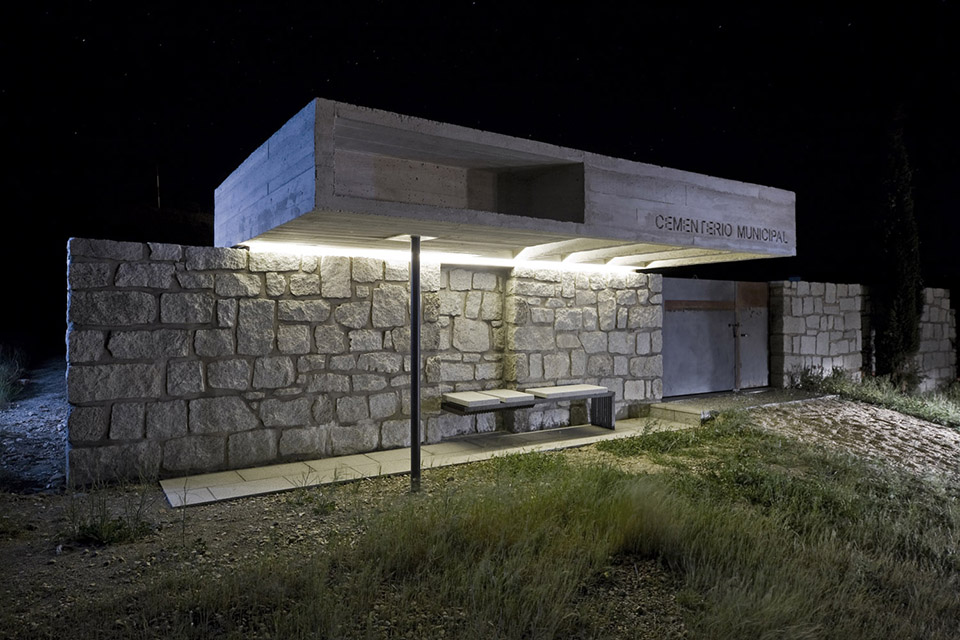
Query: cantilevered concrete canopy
x=344, y=176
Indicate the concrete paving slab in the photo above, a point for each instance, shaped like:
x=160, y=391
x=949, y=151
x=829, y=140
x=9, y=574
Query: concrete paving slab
x=275, y=471
x=251, y=488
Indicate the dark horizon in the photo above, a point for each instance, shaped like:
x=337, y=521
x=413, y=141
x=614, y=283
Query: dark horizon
x=96, y=103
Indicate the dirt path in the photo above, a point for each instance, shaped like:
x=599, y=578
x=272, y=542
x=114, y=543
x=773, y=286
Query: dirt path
x=33, y=433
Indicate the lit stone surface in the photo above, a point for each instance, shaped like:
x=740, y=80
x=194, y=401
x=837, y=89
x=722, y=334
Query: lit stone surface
x=92, y=383
x=112, y=308
x=137, y=345
x=273, y=372
x=305, y=441
x=229, y=374
x=304, y=284
x=220, y=415
x=184, y=378
x=293, y=339
x=352, y=409
x=470, y=335
x=186, y=308
x=147, y=275
x=285, y=413
x=355, y=315
x=238, y=285
x=390, y=306
x=273, y=262
x=213, y=342
x=367, y=270
x=208, y=258
x=303, y=310
x=335, y=277
x=89, y=275
x=255, y=335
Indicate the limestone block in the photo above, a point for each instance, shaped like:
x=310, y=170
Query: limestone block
x=456, y=372
x=273, y=372
x=485, y=281
x=335, y=277
x=351, y=409
x=532, y=338
x=329, y=383
x=251, y=447
x=389, y=306
x=621, y=342
x=285, y=413
x=85, y=346
x=273, y=262
x=293, y=339
x=380, y=362
x=646, y=367
x=397, y=271
x=395, y=434
x=471, y=335
x=229, y=374
x=238, y=285
x=384, y=405
x=165, y=420
x=127, y=421
x=224, y=414
x=600, y=364
x=150, y=275
x=460, y=279
x=323, y=411
x=105, y=249
x=112, y=308
x=194, y=454
x=214, y=342
x=255, y=334
x=305, y=441
x=305, y=284
x=88, y=424
x=365, y=340
x=208, y=258
x=89, y=275
x=92, y=383
x=195, y=280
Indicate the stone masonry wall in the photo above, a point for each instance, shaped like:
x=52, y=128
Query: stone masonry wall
x=814, y=325
x=194, y=359
x=937, y=356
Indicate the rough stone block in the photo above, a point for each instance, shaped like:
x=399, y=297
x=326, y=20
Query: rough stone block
x=93, y=383
x=555, y=366
x=622, y=342
x=397, y=271
x=646, y=367
x=195, y=280
x=305, y=284
x=365, y=340
x=163, y=251
x=344, y=362
x=133, y=345
x=229, y=374
x=335, y=277
x=255, y=334
x=384, y=405
x=285, y=413
x=251, y=448
x=456, y=372
x=155, y=276
x=594, y=341
x=540, y=315
x=323, y=411
x=87, y=424
x=491, y=306
x=460, y=279
x=293, y=339
x=355, y=315
x=600, y=364
x=305, y=441
x=112, y=308
x=633, y=390
x=352, y=409
x=105, y=249
x=186, y=308
x=346, y=440
x=276, y=284
x=184, y=378
x=531, y=288
x=214, y=342
x=380, y=362
x=209, y=258
x=429, y=277
x=127, y=421
x=238, y=285
x=395, y=434
x=226, y=313
x=447, y=426
x=273, y=262
x=303, y=310
x=368, y=382
x=329, y=383
x=220, y=415
x=165, y=420
x=85, y=346
x=533, y=338
x=471, y=335
x=89, y=275
x=367, y=270
x=194, y=454
x=132, y=461
x=273, y=372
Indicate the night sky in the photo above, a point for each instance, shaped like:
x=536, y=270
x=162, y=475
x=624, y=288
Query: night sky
x=95, y=101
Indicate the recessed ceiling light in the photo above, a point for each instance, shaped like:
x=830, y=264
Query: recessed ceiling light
x=405, y=237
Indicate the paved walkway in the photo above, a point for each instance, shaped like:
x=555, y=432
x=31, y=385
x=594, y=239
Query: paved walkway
x=224, y=485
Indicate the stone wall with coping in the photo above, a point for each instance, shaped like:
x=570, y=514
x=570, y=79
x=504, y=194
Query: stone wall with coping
x=814, y=326
x=195, y=359
x=937, y=357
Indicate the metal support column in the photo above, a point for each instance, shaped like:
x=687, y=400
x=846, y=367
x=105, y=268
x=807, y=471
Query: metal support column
x=415, y=363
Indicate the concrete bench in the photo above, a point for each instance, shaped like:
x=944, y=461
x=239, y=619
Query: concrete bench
x=465, y=403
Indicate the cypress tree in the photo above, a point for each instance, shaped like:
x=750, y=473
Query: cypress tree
x=898, y=296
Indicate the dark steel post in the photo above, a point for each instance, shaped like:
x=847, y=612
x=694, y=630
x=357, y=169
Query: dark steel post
x=414, y=364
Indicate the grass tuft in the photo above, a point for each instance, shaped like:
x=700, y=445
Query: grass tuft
x=11, y=373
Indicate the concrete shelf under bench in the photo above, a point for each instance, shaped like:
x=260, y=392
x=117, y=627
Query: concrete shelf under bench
x=471, y=402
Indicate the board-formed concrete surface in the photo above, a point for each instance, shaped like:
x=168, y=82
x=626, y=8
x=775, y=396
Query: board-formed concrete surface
x=347, y=176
